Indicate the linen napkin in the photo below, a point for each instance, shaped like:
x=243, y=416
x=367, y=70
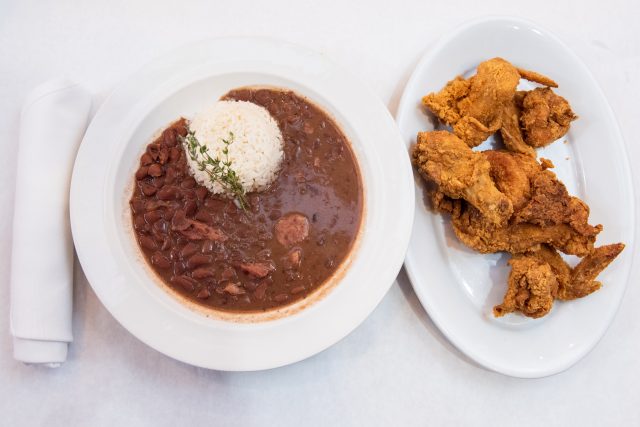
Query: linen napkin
x=52, y=123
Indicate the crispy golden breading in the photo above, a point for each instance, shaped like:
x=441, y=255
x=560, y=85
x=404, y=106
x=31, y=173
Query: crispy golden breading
x=584, y=274
x=472, y=229
x=532, y=287
x=460, y=173
x=474, y=107
x=488, y=102
x=538, y=277
x=511, y=174
x=532, y=76
x=545, y=117
x=551, y=204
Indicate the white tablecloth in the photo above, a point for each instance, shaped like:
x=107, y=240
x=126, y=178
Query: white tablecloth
x=395, y=369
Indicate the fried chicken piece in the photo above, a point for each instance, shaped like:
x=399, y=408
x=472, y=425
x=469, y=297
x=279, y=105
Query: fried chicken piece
x=545, y=117
x=540, y=276
x=460, y=173
x=476, y=232
x=584, y=274
x=532, y=287
x=544, y=212
x=551, y=204
x=511, y=174
x=473, y=107
x=479, y=106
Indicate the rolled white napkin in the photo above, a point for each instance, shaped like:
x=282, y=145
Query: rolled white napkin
x=53, y=121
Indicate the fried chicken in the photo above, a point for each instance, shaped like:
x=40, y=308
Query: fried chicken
x=488, y=102
x=544, y=212
x=532, y=287
x=474, y=107
x=460, y=173
x=545, y=117
x=511, y=173
x=507, y=200
x=476, y=232
x=479, y=106
x=584, y=274
x=539, y=277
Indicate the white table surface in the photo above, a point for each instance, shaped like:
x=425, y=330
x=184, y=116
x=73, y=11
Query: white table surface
x=396, y=368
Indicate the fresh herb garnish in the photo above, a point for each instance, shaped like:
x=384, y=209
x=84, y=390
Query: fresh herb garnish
x=219, y=170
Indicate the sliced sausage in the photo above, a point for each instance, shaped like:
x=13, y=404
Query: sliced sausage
x=292, y=229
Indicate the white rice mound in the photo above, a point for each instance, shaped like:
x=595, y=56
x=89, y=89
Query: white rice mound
x=256, y=151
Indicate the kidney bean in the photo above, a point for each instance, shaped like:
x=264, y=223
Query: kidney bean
x=202, y=273
x=260, y=292
x=297, y=289
x=160, y=261
x=142, y=172
x=198, y=260
x=163, y=155
x=228, y=273
x=146, y=159
x=208, y=247
x=153, y=150
x=147, y=242
x=169, y=175
x=168, y=192
x=185, y=282
x=204, y=293
x=178, y=268
x=189, y=249
x=139, y=223
x=170, y=137
x=155, y=170
x=201, y=193
x=174, y=154
x=152, y=217
x=203, y=216
x=250, y=286
x=281, y=297
x=190, y=207
x=137, y=206
x=147, y=189
x=158, y=182
x=188, y=183
x=161, y=226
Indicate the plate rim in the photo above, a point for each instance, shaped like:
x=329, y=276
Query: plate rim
x=412, y=273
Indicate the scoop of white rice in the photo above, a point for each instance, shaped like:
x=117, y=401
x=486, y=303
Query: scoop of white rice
x=256, y=151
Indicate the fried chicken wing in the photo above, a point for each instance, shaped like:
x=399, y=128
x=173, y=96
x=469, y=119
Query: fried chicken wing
x=460, y=173
x=532, y=287
x=538, y=277
x=545, y=117
x=535, y=77
x=584, y=274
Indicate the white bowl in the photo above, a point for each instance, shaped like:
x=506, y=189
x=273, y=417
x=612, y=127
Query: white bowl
x=178, y=84
x=457, y=286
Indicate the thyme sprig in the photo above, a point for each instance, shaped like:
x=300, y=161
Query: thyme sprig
x=219, y=170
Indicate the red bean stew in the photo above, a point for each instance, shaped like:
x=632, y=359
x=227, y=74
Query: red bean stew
x=291, y=239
